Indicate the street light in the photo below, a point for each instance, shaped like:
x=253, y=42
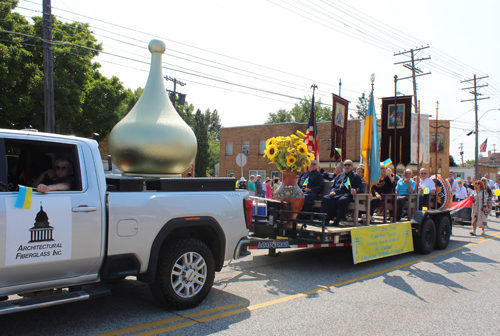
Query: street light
x=495, y=109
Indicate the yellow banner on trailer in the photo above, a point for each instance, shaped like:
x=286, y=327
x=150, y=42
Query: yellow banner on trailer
x=379, y=241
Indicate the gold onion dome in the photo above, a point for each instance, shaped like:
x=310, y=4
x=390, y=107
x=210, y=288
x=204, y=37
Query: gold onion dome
x=152, y=140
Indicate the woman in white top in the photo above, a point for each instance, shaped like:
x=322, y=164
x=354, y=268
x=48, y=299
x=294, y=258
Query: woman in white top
x=462, y=193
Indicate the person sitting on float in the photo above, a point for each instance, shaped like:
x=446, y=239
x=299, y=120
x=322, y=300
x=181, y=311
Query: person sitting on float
x=312, y=184
x=360, y=170
x=426, y=187
x=345, y=185
x=384, y=186
x=404, y=188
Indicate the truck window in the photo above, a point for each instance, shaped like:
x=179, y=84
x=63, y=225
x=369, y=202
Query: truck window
x=28, y=161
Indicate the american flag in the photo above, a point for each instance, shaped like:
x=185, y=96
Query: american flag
x=312, y=134
x=482, y=147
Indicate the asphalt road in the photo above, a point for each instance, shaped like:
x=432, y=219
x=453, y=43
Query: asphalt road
x=314, y=291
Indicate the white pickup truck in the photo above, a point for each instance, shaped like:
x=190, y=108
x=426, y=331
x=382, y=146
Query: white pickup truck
x=171, y=233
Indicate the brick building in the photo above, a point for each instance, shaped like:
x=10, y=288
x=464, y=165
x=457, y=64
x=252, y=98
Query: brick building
x=251, y=141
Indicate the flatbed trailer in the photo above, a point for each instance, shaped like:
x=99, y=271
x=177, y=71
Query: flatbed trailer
x=274, y=229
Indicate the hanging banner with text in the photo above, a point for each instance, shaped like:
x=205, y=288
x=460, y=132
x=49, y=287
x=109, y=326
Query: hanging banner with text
x=375, y=242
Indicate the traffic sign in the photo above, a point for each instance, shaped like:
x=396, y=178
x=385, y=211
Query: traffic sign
x=241, y=159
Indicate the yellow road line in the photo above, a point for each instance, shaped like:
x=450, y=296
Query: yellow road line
x=273, y=302
x=172, y=319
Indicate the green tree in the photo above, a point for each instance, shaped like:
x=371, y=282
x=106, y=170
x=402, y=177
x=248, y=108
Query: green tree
x=129, y=102
x=452, y=161
x=301, y=112
x=186, y=113
x=201, y=131
x=470, y=163
x=361, y=107
x=213, y=129
x=78, y=85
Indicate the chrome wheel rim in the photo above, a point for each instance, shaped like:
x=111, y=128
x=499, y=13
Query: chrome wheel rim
x=189, y=274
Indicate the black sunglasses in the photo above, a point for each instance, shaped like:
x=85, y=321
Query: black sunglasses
x=347, y=164
x=61, y=168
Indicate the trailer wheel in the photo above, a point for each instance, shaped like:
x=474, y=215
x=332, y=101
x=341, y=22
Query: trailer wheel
x=185, y=274
x=424, y=243
x=443, y=232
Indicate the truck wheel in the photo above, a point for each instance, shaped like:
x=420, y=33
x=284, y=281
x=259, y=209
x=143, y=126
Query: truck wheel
x=443, y=232
x=424, y=243
x=185, y=274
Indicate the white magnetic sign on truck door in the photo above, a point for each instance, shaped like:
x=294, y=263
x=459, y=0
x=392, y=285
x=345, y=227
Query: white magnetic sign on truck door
x=41, y=233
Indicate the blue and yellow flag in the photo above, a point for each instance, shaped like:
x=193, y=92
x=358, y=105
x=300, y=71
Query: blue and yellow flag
x=370, y=145
x=24, y=198
x=347, y=183
x=306, y=182
x=339, y=150
x=426, y=190
x=387, y=162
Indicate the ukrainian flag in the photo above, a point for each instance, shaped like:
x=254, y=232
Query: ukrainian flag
x=387, y=162
x=347, y=183
x=370, y=145
x=24, y=198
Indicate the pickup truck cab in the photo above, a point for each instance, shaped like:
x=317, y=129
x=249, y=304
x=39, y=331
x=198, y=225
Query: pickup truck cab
x=171, y=233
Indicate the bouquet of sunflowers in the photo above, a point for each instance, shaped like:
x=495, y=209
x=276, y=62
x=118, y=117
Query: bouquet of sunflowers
x=288, y=153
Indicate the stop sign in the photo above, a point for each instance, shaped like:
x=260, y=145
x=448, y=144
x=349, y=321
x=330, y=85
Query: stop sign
x=241, y=159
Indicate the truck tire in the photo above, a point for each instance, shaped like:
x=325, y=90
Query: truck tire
x=185, y=274
x=443, y=232
x=424, y=243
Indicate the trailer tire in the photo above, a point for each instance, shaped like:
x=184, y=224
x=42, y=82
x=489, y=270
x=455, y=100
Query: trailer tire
x=443, y=232
x=424, y=243
x=185, y=274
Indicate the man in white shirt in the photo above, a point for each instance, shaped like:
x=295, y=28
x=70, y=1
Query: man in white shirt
x=425, y=182
x=454, y=185
x=491, y=183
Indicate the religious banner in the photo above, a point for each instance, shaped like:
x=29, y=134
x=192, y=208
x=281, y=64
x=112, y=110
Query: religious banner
x=396, y=124
x=424, y=138
x=339, y=128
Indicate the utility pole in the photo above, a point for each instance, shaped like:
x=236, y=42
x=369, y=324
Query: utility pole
x=174, y=93
x=462, y=152
x=48, y=69
x=340, y=87
x=415, y=72
x=476, y=94
x=436, y=138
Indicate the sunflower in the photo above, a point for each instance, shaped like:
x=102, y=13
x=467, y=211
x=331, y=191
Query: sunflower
x=310, y=156
x=300, y=134
x=302, y=149
x=271, y=141
x=290, y=160
x=271, y=152
x=291, y=150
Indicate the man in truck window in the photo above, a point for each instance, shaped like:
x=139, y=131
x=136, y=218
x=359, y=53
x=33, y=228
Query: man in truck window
x=55, y=179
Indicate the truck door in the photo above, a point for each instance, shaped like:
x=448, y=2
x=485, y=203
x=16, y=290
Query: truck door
x=56, y=235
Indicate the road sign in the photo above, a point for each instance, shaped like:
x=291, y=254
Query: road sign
x=241, y=159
